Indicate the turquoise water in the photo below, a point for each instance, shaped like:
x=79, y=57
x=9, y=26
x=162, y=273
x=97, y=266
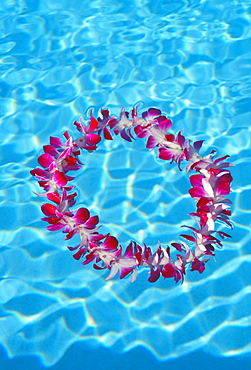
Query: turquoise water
x=190, y=59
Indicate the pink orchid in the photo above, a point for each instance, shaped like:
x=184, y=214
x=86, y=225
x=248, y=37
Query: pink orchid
x=88, y=140
x=125, y=264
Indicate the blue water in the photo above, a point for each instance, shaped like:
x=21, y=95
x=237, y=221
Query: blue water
x=189, y=58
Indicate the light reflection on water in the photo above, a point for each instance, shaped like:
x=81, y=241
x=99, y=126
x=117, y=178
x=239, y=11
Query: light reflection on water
x=190, y=59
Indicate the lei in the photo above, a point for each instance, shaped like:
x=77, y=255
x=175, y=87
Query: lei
x=210, y=185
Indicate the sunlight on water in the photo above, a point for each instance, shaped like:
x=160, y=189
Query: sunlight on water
x=190, y=59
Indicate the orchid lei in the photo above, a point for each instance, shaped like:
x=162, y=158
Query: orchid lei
x=210, y=185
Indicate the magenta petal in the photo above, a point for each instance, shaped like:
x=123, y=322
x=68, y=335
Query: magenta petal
x=198, y=144
x=118, y=252
x=92, y=246
x=97, y=267
x=79, y=253
x=164, y=123
x=125, y=136
x=154, y=275
x=55, y=141
x=59, y=178
x=124, y=272
x=203, y=202
x=178, y=275
x=51, y=150
x=190, y=227
x=198, y=265
x=82, y=215
x=49, y=209
x=55, y=227
x=111, y=242
x=226, y=222
x=78, y=126
x=177, y=246
x=196, y=180
x=225, y=178
x=89, y=259
x=92, y=222
x=73, y=248
x=224, y=235
x=223, y=188
x=93, y=139
x=90, y=148
x=97, y=237
x=66, y=153
x=107, y=134
x=67, y=136
x=105, y=113
x=197, y=192
x=71, y=202
x=188, y=237
x=154, y=112
x=45, y=160
x=69, y=178
x=168, y=270
x=145, y=114
x=151, y=142
x=221, y=159
x=165, y=154
x=71, y=234
x=140, y=131
x=39, y=172
x=113, y=122
x=129, y=251
x=54, y=197
x=181, y=139
x=93, y=124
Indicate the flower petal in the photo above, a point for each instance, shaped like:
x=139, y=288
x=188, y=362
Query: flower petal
x=49, y=209
x=165, y=154
x=107, y=134
x=196, y=180
x=93, y=124
x=168, y=270
x=154, y=275
x=198, y=144
x=141, y=131
x=198, y=265
x=110, y=242
x=55, y=227
x=124, y=271
x=79, y=253
x=54, y=197
x=223, y=188
x=93, y=139
x=164, y=123
x=124, y=135
x=60, y=178
x=82, y=215
x=45, y=160
x=56, y=142
x=197, y=192
x=92, y=222
x=151, y=142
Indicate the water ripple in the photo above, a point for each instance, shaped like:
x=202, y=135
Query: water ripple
x=58, y=59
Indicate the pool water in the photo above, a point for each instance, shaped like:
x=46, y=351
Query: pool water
x=59, y=59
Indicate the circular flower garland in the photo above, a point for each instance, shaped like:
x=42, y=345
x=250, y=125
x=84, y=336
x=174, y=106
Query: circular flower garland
x=209, y=187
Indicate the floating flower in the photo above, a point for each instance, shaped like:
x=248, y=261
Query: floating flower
x=210, y=186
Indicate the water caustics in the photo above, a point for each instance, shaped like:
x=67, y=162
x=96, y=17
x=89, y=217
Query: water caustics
x=189, y=59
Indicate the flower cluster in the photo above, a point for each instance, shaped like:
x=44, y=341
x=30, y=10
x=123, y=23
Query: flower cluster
x=210, y=185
